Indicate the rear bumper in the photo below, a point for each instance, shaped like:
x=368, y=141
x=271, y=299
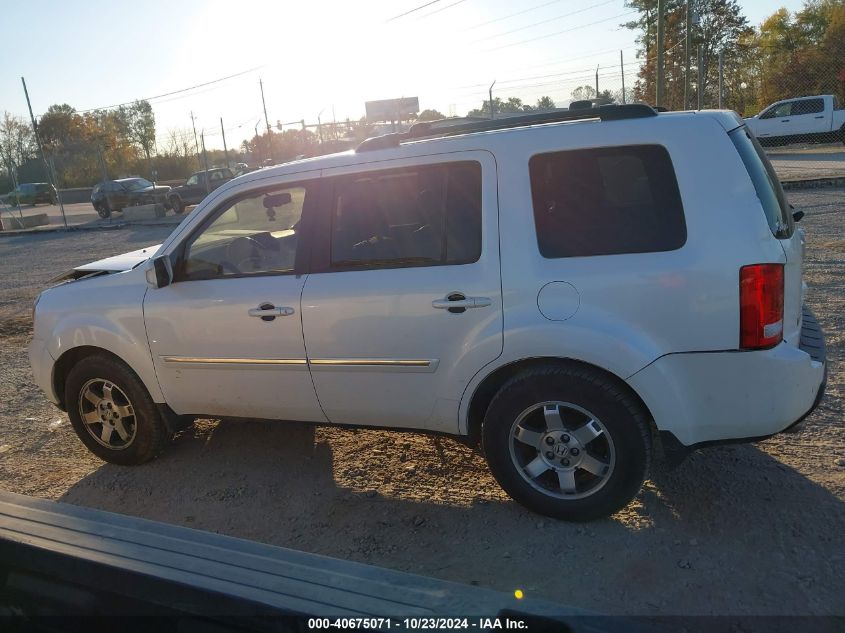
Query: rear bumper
x=698, y=399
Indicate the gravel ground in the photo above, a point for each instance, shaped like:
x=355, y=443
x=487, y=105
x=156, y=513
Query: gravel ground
x=752, y=529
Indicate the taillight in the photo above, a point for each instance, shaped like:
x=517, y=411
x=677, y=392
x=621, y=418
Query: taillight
x=760, y=305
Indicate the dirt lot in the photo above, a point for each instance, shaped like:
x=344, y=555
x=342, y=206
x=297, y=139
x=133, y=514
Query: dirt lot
x=754, y=529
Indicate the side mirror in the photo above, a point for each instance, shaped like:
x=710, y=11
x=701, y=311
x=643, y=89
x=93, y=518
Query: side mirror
x=797, y=215
x=159, y=272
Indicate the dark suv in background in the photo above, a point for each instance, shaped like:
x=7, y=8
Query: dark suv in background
x=115, y=195
x=194, y=189
x=31, y=193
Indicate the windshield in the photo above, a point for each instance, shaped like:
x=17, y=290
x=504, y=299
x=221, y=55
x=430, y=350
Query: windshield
x=136, y=183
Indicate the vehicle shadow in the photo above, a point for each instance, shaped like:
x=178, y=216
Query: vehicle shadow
x=732, y=530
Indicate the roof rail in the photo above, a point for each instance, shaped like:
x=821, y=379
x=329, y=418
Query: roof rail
x=437, y=129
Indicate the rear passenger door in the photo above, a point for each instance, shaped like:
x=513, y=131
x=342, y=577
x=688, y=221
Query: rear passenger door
x=403, y=305
x=808, y=117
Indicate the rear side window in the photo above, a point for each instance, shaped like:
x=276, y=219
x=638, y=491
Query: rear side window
x=766, y=182
x=808, y=106
x=418, y=216
x=606, y=201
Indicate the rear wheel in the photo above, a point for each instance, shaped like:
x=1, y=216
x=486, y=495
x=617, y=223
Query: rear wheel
x=567, y=442
x=112, y=412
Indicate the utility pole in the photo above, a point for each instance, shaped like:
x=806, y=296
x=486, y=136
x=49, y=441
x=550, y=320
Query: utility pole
x=721, y=77
x=661, y=37
x=700, y=88
x=687, y=41
x=492, y=108
x=102, y=162
x=50, y=173
x=196, y=142
x=597, y=81
x=622, y=70
x=225, y=151
x=266, y=121
x=205, y=160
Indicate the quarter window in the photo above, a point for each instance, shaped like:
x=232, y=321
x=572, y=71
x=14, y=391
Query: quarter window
x=418, y=216
x=258, y=233
x=606, y=201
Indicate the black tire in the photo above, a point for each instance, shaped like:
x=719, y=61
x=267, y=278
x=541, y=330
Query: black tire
x=627, y=451
x=144, y=424
x=177, y=205
x=102, y=210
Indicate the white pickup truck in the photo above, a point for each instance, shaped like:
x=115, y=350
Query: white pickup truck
x=817, y=119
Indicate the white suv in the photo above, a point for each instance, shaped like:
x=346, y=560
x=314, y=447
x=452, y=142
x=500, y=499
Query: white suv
x=562, y=287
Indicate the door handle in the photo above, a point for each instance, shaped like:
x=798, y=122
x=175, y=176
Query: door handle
x=819, y=117
x=268, y=312
x=457, y=303
x=784, y=120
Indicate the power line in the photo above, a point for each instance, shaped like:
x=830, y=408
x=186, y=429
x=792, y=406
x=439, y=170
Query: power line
x=541, y=22
x=415, y=9
x=167, y=94
x=574, y=28
x=512, y=15
x=448, y=6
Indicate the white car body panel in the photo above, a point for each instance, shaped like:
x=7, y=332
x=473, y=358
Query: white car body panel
x=108, y=315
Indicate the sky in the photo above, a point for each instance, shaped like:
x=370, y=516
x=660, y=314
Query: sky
x=321, y=58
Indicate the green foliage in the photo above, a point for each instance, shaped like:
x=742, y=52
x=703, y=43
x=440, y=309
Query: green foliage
x=544, y=103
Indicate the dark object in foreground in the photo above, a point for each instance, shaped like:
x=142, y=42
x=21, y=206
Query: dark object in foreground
x=64, y=567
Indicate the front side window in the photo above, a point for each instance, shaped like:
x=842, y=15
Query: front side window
x=417, y=216
x=193, y=180
x=606, y=201
x=780, y=110
x=258, y=233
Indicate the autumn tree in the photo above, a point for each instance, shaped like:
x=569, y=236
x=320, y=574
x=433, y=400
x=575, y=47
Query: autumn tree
x=802, y=53
x=430, y=115
x=721, y=28
x=17, y=142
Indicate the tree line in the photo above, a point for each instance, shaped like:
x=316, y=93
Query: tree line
x=788, y=55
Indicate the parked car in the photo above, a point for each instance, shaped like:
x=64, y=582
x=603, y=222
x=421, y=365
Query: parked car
x=563, y=288
x=194, y=189
x=31, y=193
x=111, y=196
x=806, y=119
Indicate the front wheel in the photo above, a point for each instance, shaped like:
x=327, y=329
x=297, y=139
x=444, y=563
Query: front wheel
x=112, y=412
x=567, y=442
x=102, y=210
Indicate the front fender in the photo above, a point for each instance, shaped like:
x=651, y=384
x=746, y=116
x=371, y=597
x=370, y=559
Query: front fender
x=105, y=312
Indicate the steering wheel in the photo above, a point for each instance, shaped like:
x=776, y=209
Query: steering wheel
x=245, y=254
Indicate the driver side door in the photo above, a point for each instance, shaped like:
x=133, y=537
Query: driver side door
x=226, y=335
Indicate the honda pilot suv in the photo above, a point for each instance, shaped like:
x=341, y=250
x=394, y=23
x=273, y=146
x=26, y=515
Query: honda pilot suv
x=565, y=289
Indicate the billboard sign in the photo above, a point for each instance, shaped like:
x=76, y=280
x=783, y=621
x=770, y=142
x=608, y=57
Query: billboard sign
x=392, y=109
